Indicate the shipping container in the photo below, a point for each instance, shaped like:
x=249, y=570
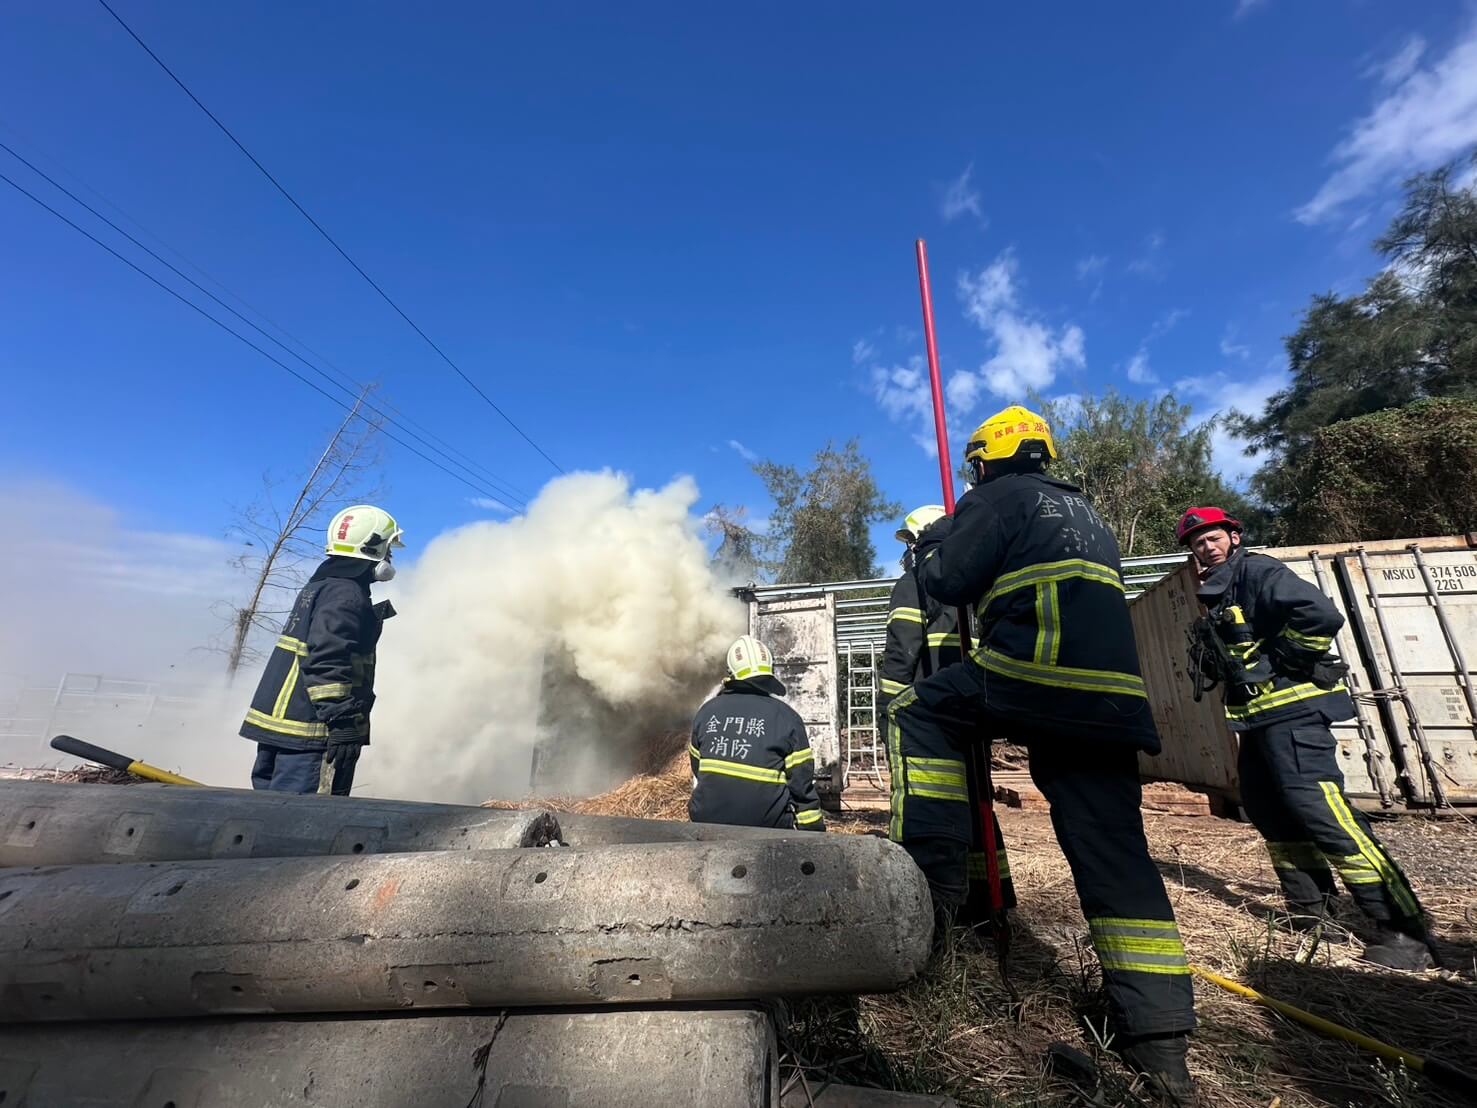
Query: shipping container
x=1411, y=623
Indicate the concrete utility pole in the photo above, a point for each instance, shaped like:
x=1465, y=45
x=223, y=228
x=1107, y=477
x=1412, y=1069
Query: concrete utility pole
x=43, y=823
x=682, y=1058
x=786, y=916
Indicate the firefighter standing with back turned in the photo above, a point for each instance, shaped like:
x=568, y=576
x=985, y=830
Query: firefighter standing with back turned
x=751, y=760
x=310, y=715
x=923, y=638
x=1056, y=668
x=1266, y=637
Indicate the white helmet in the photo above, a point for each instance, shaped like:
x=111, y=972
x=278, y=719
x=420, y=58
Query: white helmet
x=750, y=660
x=364, y=532
x=917, y=520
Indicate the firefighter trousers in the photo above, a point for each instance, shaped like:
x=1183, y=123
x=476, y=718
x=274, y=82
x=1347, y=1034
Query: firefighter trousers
x=1293, y=792
x=297, y=771
x=1094, y=793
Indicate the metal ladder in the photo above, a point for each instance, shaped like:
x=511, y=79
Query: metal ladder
x=863, y=755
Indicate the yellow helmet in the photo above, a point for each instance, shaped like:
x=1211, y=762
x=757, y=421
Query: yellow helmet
x=916, y=520
x=1001, y=436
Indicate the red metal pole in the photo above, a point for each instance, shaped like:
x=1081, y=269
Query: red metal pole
x=936, y=380
x=977, y=764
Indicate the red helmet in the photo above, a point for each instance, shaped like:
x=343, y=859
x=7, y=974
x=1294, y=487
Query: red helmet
x=1196, y=520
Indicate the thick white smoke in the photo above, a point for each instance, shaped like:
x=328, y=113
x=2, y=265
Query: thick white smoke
x=583, y=629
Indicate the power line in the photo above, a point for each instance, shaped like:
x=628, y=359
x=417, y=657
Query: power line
x=404, y=418
x=327, y=237
x=240, y=337
x=505, y=489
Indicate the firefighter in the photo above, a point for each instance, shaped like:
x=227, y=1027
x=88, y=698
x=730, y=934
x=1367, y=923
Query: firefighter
x=1056, y=668
x=923, y=638
x=1283, y=686
x=751, y=761
x=310, y=714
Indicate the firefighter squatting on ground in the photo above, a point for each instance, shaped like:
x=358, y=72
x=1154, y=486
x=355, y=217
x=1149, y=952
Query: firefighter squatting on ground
x=1055, y=668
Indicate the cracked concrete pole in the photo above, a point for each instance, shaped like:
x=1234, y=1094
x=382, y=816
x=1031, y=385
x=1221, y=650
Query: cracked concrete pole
x=44, y=823
x=613, y=1059
x=788, y=916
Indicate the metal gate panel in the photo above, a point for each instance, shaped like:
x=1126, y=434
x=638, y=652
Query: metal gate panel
x=801, y=633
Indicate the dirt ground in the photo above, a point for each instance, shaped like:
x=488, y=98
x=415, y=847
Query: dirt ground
x=954, y=1031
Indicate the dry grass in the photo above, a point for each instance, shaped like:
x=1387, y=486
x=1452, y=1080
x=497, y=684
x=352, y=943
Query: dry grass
x=660, y=791
x=77, y=775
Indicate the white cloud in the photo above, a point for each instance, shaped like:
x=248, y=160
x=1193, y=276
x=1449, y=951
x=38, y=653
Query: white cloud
x=101, y=596
x=904, y=394
x=1091, y=268
x=1230, y=348
x=1426, y=117
x=1139, y=371
x=1214, y=396
x=1166, y=323
x=1150, y=261
x=963, y=390
x=1246, y=7
x=1028, y=353
x=862, y=351
x=492, y=504
x=742, y=451
x=1068, y=406
x=962, y=198
x=1400, y=65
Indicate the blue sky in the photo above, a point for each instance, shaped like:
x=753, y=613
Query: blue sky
x=667, y=237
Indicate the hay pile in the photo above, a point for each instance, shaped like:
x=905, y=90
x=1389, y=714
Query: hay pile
x=659, y=791
x=77, y=775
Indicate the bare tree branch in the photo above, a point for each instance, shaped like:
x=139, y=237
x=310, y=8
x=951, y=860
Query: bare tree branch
x=283, y=542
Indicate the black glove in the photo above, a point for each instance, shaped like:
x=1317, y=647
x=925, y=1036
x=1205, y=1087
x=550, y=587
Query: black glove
x=1291, y=662
x=343, y=750
x=932, y=537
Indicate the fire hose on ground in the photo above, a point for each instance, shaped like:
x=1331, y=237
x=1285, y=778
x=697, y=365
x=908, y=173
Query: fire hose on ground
x=1441, y=1073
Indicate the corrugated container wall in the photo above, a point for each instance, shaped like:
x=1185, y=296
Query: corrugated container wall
x=1411, y=623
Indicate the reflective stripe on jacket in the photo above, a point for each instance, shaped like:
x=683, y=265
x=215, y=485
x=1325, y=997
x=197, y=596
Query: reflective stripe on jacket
x=922, y=638
x=751, y=763
x=1043, y=573
x=319, y=679
x=1292, y=623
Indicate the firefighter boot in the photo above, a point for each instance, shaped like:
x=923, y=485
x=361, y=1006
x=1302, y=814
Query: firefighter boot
x=1397, y=949
x=1160, y=1061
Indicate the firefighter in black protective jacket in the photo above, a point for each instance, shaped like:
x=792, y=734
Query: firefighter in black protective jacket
x=1282, y=687
x=923, y=638
x=751, y=761
x=310, y=715
x=1056, y=668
